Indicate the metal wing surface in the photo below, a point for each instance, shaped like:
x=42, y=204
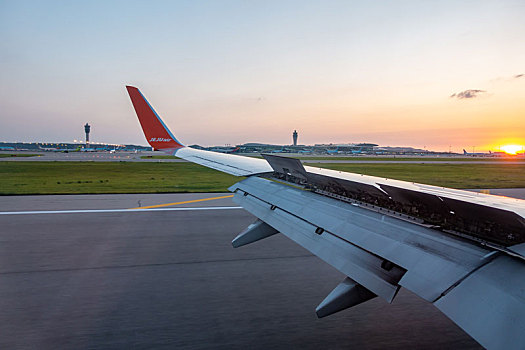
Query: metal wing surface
x=462, y=251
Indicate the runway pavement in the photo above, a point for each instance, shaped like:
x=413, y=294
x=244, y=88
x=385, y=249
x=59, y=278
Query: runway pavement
x=137, y=157
x=170, y=279
x=90, y=157
x=507, y=192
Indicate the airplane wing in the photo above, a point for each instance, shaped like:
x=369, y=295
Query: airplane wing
x=462, y=251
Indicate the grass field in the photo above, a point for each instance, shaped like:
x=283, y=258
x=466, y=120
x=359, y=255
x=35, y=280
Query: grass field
x=447, y=175
x=135, y=177
x=417, y=159
x=400, y=158
x=109, y=177
x=159, y=157
x=423, y=159
x=9, y=155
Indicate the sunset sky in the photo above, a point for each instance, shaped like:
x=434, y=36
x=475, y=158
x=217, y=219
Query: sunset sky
x=434, y=74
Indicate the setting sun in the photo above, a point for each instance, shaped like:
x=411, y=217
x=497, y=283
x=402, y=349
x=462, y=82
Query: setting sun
x=511, y=149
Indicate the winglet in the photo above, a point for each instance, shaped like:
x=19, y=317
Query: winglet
x=157, y=133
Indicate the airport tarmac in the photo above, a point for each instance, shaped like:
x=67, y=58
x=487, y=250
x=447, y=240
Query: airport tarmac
x=167, y=277
x=89, y=157
x=507, y=192
x=137, y=157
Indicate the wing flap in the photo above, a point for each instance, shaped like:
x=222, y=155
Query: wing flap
x=433, y=262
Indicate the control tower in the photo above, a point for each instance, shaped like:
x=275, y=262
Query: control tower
x=295, y=137
x=87, y=129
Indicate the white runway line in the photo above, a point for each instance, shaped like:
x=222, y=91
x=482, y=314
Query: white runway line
x=90, y=211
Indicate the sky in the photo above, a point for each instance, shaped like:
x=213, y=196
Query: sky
x=438, y=75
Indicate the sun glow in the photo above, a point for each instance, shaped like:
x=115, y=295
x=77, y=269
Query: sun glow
x=511, y=149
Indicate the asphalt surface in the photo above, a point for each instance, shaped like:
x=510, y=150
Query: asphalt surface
x=137, y=157
x=89, y=157
x=109, y=201
x=170, y=279
x=507, y=192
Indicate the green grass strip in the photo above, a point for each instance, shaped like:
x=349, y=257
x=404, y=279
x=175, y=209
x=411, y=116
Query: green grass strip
x=109, y=177
x=9, y=155
x=400, y=158
x=498, y=175
x=135, y=177
x=159, y=157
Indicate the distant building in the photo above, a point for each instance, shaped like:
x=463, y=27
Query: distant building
x=295, y=137
x=87, y=129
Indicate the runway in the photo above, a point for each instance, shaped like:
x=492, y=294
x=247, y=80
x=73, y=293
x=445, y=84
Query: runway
x=90, y=157
x=170, y=279
x=137, y=157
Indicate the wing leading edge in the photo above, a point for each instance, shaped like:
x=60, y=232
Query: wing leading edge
x=463, y=252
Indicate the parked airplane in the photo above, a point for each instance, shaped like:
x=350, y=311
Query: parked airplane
x=333, y=151
x=281, y=150
x=462, y=251
x=49, y=149
x=305, y=151
x=68, y=150
x=479, y=154
x=226, y=149
x=62, y=150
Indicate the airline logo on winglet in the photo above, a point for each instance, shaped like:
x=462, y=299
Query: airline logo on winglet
x=159, y=139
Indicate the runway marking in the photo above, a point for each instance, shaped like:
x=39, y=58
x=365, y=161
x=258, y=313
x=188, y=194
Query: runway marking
x=185, y=202
x=91, y=211
x=194, y=262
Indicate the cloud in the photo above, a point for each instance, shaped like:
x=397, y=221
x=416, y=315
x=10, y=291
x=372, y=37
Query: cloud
x=517, y=76
x=467, y=94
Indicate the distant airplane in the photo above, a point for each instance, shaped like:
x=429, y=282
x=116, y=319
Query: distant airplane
x=282, y=150
x=305, y=151
x=333, y=151
x=462, y=251
x=225, y=149
x=480, y=154
x=70, y=150
x=48, y=149
x=62, y=150
x=498, y=154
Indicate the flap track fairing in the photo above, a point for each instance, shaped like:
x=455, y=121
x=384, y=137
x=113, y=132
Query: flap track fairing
x=347, y=294
x=253, y=233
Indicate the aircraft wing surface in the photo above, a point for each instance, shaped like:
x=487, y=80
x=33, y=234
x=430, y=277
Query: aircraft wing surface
x=228, y=163
x=462, y=251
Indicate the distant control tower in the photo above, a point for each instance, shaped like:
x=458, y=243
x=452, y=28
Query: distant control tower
x=87, y=128
x=295, y=137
